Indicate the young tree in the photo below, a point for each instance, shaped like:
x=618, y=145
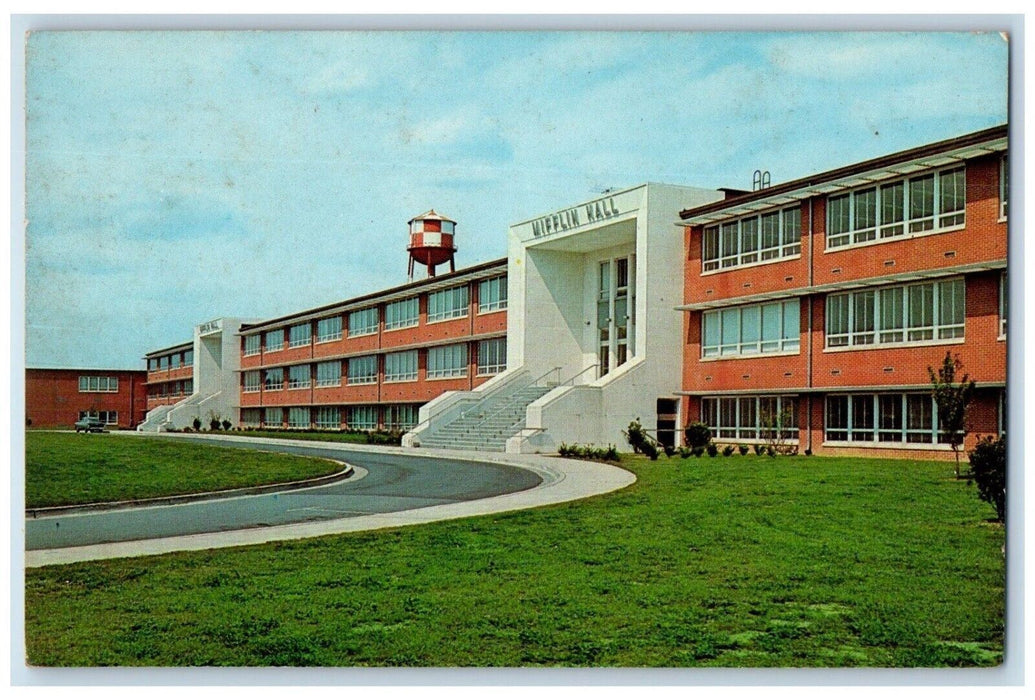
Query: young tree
x=952, y=398
x=988, y=470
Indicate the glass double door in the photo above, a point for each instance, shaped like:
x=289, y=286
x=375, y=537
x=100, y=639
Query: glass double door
x=615, y=313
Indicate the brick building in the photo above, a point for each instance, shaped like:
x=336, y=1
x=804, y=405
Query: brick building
x=170, y=375
x=823, y=301
x=372, y=361
x=57, y=398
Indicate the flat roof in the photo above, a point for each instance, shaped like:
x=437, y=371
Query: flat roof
x=83, y=369
x=956, y=143
x=390, y=294
x=179, y=346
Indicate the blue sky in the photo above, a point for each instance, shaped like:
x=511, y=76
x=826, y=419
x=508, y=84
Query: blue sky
x=175, y=177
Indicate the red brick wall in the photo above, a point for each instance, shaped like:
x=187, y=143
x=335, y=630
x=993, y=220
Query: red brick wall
x=983, y=239
x=53, y=400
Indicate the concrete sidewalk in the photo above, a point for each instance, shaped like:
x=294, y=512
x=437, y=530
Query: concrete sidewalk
x=563, y=480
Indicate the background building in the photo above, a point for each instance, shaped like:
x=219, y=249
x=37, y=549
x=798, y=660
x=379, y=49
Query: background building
x=198, y=379
x=57, y=398
x=372, y=361
x=824, y=301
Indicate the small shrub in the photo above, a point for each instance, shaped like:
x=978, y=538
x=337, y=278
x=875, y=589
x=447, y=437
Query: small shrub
x=226, y=424
x=563, y=449
x=214, y=424
x=697, y=434
x=186, y=429
x=770, y=450
x=685, y=452
x=988, y=471
x=649, y=449
x=636, y=437
x=759, y=449
x=697, y=451
x=727, y=450
x=611, y=453
x=712, y=449
x=743, y=449
x=669, y=450
x=384, y=437
x=196, y=423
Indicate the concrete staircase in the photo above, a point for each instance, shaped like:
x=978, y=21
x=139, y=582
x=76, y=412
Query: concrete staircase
x=156, y=420
x=486, y=426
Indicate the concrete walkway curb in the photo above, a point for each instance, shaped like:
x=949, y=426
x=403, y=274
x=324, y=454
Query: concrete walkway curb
x=563, y=480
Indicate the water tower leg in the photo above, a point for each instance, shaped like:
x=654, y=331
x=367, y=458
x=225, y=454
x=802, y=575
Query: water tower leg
x=409, y=271
x=431, y=270
x=452, y=266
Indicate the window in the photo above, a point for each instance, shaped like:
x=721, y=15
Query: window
x=328, y=329
x=298, y=417
x=275, y=379
x=163, y=362
x=273, y=417
x=401, y=366
x=928, y=202
x=751, y=417
x=362, y=417
x=890, y=315
x=102, y=385
x=252, y=381
x=1004, y=187
x=447, y=361
x=152, y=364
x=492, y=294
x=300, y=335
x=174, y=360
x=106, y=417
x=402, y=314
x=251, y=417
x=188, y=358
x=492, y=356
x=749, y=330
x=400, y=417
x=362, y=370
x=1002, y=412
x=275, y=340
x=252, y=344
x=298, y=377
x=328, y=373
x=188, y=386
x=328, y=417
x=1003, y=294
x=776, y=234
x=883, y=418
x=449, y=303
x=363, y=322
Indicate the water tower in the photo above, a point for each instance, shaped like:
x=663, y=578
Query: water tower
x=431, y=241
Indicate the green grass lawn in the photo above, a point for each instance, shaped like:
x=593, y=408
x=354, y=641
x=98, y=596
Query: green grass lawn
x=70, y=468
x=739, y=561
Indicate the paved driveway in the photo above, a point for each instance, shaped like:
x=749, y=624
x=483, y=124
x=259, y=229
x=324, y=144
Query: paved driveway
x=385, y=483
x=393, y=487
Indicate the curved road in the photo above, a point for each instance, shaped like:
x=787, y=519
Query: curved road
x=395, y=483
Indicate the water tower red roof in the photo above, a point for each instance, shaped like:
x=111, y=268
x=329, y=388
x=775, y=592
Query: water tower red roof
x=431, y=215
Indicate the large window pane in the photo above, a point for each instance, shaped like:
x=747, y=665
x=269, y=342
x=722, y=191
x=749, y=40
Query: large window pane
x=863, y=318
x=919, y=418
x=711, y=333
x=921, y=311
x=837, y=418
x=921, y=203
x=837, y=320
